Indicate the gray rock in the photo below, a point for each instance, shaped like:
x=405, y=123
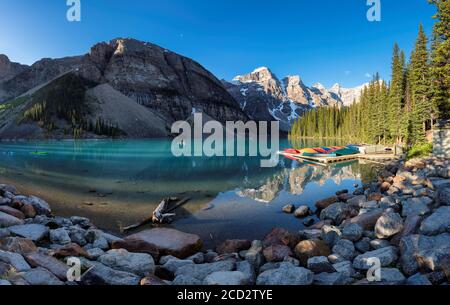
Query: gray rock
x=198, y=258
x=310, y=234
x=335, y=258
x=330, y=279
x=301, y=211
x=388, y=202
x=4, y=283
x=41, y=277
x=438, y=222
x=99, y=274
x=320, y=264
x=138, y=263
x=330, y=234
x=379, y=243
x=254, y=255
x=15, y=260
x=101, y=243
x=392, y=276
x=363, y=245
x=386, y=256
x=173, y=264
x=7, y=220
x=200, y=272
x=336, y=212
x=345, y=268
x=269, y=266
x=226, y=278
x=41, y=206
x=210, y=256
x=35, y=232
x=287, y=274
x=443, y=195
x=164, y=259
x=352, y=232
x=4, y=233
x=60, y=236
x=345, y=249
x=289, y=209
x=369, y=205
x=247, y=270
x=95, y=253
x=186, y=280
x=418, y=280
x=416, y=206
x=81, y=221
x=77, y=235
x=388, y=225
x=420, y=251
x=357, y=200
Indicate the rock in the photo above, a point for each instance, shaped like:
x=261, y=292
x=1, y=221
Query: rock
x=352, y=232
x=416, y=206
x=345, y=268
x=410, y=227
x=198, y=258
x=56, y=267
x=226, y=278
x=210, y=256
x=99, y=274
x=310, y=234
x=254, y=255
x=233, y=246
x=392, y=276
x=41, y=207
x=363, y=245
x=330, y=234
x=331, y=279
x=357, y=200
x=379, y=243
x=162, y=241
x=95, y=253
x=164, y=259
x=337, y=212
x=320, y=264
x=308, y=222
x=345, y=197
x=375, y=197
x=70, y=250
x=288, y=209
x=279, y=236
x=367, y=220
x=151, y=280
x=7, y=220
x=35, y=232
x=200, y=272
x=186, y=280
x=173, y=264
x=443, y=195
x=325, y=203
x=369, y=205
x=60, y=236
x=418, y=280
x=287, y=274
x=81, y=221
x=365, y=261
x=17, y=245
x=12, y=212
x=438, y=222
x=345, y=249
x=310, y=248
x=77, y=235
x=420, y=251
x=277, y=253
x=335, y=258
x=385, y=186
x=341, y=192
x=388, y=202
x=120, y=259
x=41, y=277
x=388, y=225
x=15, y=260
x=269, y=266
x=301, y=211
x=4, y=233
x=8, y=188
x=28, y=211
x=4, y=283
x=246, y=268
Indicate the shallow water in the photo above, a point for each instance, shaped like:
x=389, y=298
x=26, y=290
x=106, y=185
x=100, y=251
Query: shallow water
x=121, y=182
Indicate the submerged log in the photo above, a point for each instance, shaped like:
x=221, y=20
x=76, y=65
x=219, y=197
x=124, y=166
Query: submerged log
x=162, y=214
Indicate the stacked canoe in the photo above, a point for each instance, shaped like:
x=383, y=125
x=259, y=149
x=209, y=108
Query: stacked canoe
x=333, y=151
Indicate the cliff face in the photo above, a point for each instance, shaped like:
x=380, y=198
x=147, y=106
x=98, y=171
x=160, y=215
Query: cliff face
x=142, y=90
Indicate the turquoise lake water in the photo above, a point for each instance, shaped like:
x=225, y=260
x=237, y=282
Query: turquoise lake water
x=121, y=182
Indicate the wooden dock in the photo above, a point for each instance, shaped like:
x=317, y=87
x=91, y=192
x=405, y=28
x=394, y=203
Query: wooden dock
x=377, y=158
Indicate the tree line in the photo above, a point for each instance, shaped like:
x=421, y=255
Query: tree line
x=402, y=111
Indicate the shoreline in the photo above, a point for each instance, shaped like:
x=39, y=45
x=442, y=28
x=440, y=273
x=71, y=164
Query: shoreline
x=402, y=220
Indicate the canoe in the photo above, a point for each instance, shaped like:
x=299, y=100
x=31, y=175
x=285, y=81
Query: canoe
x=39, y=153
x=346, y=152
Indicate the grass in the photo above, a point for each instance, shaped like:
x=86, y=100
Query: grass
x=419, y=151
x=13, y=103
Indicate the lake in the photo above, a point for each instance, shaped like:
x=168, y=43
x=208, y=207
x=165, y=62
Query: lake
x=121, y=182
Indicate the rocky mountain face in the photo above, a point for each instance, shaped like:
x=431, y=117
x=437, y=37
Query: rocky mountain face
x=264, y=97
x=9, y=69
x=163, y=86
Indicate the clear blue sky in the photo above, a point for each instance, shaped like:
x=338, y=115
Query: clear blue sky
x=323, y=41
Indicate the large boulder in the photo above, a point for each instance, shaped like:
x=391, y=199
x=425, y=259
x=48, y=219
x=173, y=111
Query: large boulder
x=7, y=220
x=138, y=263
x=286, y=274
x=386, y=256
x=388, y=225
x=438, y=222
x=161, y=241
x=310, y=248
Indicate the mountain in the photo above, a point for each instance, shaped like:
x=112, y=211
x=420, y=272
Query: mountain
x=124, y=87
x=264, y=97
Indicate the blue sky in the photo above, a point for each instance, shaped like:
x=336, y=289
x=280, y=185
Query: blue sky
x=325, y=41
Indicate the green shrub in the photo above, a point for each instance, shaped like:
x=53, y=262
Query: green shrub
x=419, y=150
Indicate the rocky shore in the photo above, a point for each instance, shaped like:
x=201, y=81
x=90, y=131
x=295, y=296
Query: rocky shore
x=401, y=221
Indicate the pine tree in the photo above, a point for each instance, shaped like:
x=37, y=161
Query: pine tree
x=396, y=94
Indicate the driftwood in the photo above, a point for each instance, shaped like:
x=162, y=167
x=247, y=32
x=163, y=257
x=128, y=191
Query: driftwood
x=162, y=214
